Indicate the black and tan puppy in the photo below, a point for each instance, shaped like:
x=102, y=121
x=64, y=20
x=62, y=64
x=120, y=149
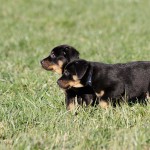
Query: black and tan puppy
x=109, y=81
x=59, y=57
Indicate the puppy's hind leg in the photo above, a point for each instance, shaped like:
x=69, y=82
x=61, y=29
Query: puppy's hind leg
x=143, y=99
x=148, y=95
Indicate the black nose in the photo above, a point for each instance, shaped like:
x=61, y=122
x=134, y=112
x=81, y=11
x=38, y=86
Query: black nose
x=42, y=62
x=59, y=82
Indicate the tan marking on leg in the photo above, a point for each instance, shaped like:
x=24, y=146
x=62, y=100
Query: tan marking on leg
x=103, y=104
x=71, y=106
x=101, y=93
x=148, y=96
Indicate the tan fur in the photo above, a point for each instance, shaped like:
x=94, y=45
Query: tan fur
x=103, y=104
x=75, y=78
x=56, y=68
x=60, y=63
x=148, y=96
x=75, y=83
x=50, y=67
x=71, y=106
x=72, y=83
x=100, y=94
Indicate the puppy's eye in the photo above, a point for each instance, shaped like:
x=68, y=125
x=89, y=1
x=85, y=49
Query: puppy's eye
x=53, y=55
x=66, y=73
x=66, y=48
x=64, y=53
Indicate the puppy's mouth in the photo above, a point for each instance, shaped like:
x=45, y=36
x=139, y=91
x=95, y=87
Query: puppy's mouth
x=46, y=65
x=48, y=68
x=52, y=67
x=64, y=85
x=69, y=84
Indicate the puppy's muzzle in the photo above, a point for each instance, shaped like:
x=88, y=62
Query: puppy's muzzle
x=42, y=62
x=62, y=84
x=46, y=65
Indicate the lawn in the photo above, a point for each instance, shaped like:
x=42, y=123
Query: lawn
x=32, y=110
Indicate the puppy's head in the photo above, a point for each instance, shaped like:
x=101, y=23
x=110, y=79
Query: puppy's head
x=59, y=57
x=73, y=73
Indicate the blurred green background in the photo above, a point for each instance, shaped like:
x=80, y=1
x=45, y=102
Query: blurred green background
x=32, y=110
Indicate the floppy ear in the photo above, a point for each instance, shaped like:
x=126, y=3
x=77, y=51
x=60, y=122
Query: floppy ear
x=81, y=68
x=71, y=53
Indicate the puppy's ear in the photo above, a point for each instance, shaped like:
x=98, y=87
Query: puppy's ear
x=81, y=68
x=71, y=53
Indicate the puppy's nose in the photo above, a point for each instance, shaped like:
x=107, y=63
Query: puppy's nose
x=59, y=82
x=42, y=62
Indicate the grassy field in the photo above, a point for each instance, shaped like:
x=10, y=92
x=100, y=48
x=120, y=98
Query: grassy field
x=32, y=110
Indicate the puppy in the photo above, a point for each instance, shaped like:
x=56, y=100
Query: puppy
x=109, y=81
x=59, y=57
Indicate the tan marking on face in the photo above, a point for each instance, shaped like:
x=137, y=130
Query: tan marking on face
x=75, y=78
x=75, y=84
x=50, y=67
x=72, y=83
x=71, y=106
x=56, y=68
x=100, y=94
x=103, y=104
x=67, y=84
x=64, y=84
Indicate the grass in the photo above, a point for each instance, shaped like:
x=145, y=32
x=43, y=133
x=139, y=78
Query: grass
x=32, y=110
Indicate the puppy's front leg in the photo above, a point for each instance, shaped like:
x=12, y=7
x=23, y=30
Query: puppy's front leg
x=79, y=100
x=103, y=103
x=148, y=95
x=70, y=100
x=89, y=99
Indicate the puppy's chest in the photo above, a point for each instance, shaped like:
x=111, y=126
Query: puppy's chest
x=101, y=83
x=83, y=90
x=100, y=93
x=99, y=89
x=103, y=87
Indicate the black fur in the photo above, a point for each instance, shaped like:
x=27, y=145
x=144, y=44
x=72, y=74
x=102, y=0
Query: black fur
x=66, y=54
x=131, y=80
